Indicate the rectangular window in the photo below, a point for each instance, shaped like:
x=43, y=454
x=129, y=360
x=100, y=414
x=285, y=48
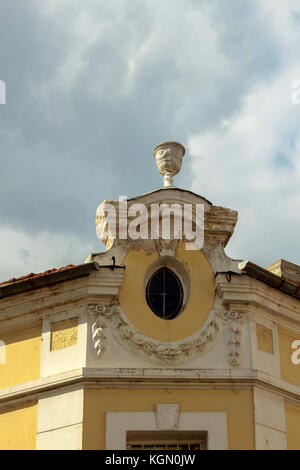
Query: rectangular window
x=166, y=440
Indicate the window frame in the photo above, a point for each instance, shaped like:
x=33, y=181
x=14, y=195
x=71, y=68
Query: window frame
x=165, y=293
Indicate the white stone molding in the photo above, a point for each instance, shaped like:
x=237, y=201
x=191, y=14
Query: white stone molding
x=99, y=336
x=150, y=378
x=67, y=358
x=167, y=352
x=60, y=420
x=167, y=417
x=101, y=314
x=162, y=246
x=219, y=224
x=233, y=332
x=166, y=247
x=269, y=420
x=218, y=259
x=253, y=295
x=215, y=424
x=161, y=352
x=260, y=359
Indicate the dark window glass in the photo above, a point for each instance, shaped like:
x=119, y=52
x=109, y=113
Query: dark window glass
x=164, y=294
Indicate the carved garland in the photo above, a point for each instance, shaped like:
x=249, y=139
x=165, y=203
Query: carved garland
x=166, y=352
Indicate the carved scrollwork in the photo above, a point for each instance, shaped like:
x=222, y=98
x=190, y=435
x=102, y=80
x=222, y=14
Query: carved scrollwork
x=102, y=309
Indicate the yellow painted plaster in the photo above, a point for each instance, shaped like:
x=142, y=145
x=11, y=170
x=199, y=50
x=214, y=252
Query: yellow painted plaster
x=264, y=338
x=23, y=353
x=18, y=428
x=292, y=414
x=200, y=302
x=238, y=404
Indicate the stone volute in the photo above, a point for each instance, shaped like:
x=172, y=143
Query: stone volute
x=168, y=156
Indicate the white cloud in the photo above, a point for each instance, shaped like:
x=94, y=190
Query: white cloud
x=94, y=87
x=252, y=161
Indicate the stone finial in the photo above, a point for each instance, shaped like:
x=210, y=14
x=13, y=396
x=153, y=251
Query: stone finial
x=169, y=157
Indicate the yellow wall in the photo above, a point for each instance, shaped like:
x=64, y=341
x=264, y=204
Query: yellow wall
x=23, y=351
x=238, y=404
x=201, y=299
x=18, y=428
x=289, y=371
x=292, y=426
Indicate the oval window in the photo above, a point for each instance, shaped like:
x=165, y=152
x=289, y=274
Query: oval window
x=164, y=294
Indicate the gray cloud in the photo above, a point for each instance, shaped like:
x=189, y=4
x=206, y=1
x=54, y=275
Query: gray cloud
x=92, y=88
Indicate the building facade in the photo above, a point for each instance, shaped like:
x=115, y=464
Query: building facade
x=151, y=344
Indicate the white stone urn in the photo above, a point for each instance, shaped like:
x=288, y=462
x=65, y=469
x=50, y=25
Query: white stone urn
x=169, y=157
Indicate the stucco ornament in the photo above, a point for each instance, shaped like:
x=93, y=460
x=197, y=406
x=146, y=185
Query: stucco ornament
x=168, y=156
x=233, y=331
x=100, y=316
x=163, y=352
x=130, y=338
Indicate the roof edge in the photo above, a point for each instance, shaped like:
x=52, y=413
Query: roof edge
x=171, y=188
x=270, y=278
x=46, y=280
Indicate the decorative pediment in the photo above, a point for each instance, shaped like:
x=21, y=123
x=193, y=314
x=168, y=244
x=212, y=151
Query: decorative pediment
x=219, y=222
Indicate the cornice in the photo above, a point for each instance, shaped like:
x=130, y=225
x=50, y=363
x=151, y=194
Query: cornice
x=274, y=280
x=149, y=379
x=243, y=292
x=19, y=310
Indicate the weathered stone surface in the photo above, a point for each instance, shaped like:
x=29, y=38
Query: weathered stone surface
x=286, y=270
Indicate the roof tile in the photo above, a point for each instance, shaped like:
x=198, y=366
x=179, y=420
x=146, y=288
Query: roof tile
x=35, y=275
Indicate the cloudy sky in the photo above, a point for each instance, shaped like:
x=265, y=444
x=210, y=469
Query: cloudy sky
x=93, y=86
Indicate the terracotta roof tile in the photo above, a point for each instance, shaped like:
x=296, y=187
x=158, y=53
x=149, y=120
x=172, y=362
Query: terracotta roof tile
x=35, y=275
